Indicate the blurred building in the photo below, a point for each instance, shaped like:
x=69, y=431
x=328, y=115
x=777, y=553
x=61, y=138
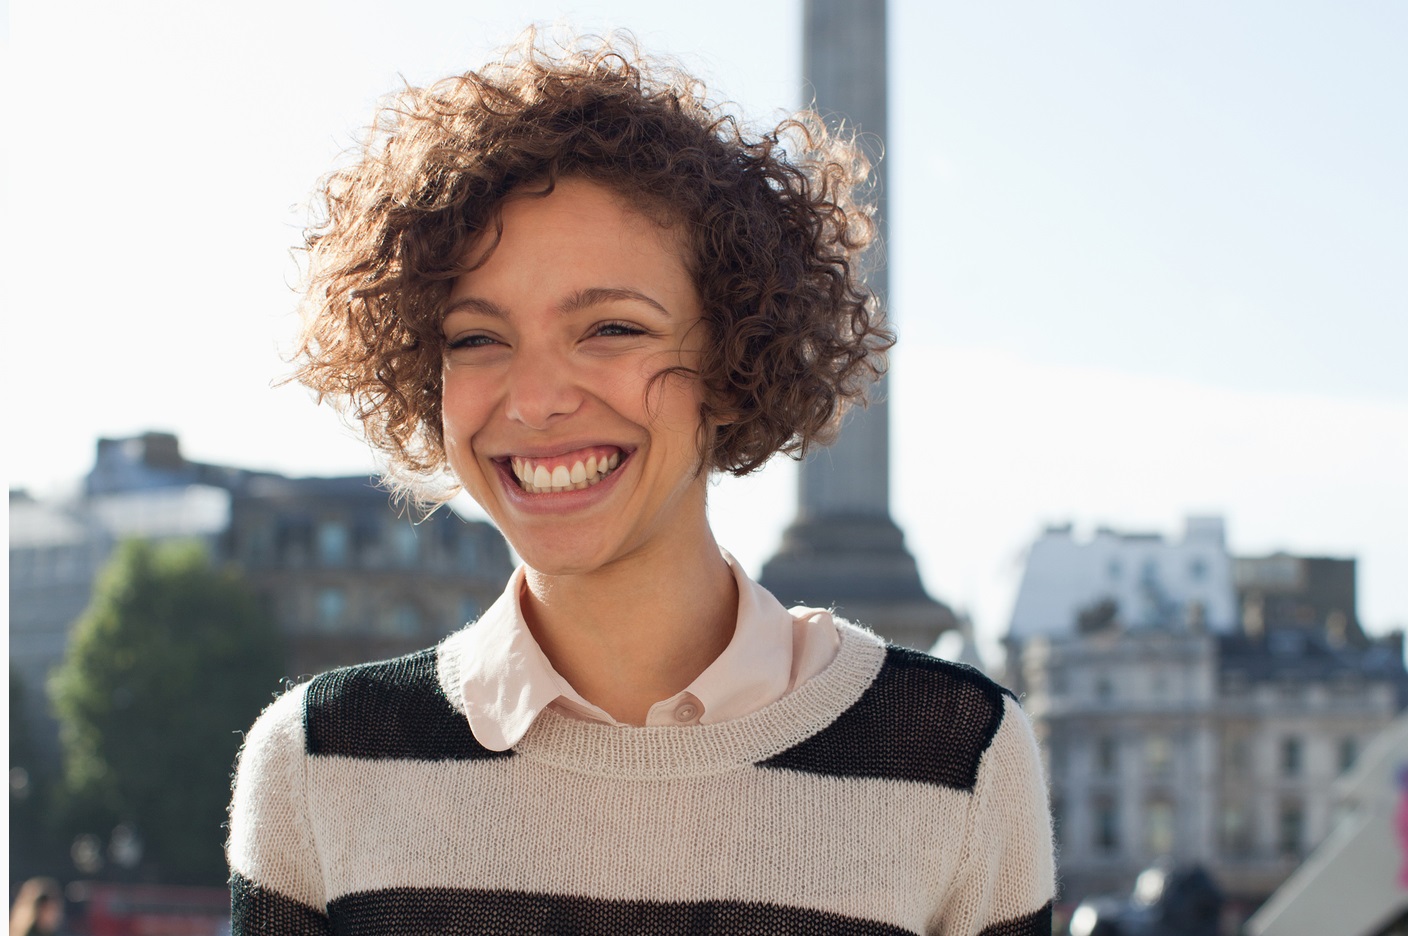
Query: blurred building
x=346, y=575
x=1310, y=594
x=1177, y=730
x=56, y=550
x=349, y=579
x=1153, y=581
x=1356, y=880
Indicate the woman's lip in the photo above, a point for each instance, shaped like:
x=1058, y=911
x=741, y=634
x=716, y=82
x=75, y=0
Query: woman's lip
x=559, y=452
x=562, y=502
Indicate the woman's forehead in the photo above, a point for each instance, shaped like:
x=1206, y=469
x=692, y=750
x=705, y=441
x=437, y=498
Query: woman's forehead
x=644, y=207
x=579, y=227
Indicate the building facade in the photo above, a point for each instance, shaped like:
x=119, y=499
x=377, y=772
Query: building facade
x=1150, y=580
x=347, y=576
x=1169, y=739
x=349, y=579
x=1353, y=883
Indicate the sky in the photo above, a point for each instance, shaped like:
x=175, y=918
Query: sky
x=1146, y=260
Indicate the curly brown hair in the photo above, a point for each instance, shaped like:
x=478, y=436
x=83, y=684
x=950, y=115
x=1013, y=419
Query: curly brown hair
x=775, y=238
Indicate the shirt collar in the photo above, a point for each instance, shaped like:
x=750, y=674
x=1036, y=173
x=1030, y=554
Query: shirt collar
x=506, y=680
x=755, y=668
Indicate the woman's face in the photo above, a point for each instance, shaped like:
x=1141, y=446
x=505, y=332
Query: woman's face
x=553, y=421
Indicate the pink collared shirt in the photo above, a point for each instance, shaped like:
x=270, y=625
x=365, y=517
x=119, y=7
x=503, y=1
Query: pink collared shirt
x=507, y=680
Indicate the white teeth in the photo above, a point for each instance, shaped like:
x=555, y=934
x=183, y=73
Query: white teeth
x=542, y=480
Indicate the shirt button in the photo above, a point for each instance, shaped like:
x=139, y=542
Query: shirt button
x=686, y=713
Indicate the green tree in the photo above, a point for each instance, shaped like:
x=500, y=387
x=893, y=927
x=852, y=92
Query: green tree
x=170, y=662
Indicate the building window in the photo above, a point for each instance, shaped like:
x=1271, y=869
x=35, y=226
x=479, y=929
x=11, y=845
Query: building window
x=293, y=540
x=1106, y=756
x=258, y=543
x=1290, y=757
x=1056, y=757
x=1114, y=570
x=1236, y=831
x=332, y=604
x=1197, y=570
x=1290, y=829
x=333, y=543
x=1159, y=827
x=1104, y=689
x=404, y=544
x=1348, y=753
x=1158, y=753
x=366, y=536
x=1236, y=755
x=1107, y=825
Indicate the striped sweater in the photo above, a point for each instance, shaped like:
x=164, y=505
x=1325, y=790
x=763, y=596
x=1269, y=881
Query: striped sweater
x=891, y=793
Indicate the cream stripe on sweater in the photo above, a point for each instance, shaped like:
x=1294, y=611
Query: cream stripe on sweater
x=891, y=793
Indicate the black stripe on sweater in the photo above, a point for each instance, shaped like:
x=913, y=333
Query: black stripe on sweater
x=453, y=910
x=258, y=911
x=1033, y=924
x=922, y=719
x=392, y=709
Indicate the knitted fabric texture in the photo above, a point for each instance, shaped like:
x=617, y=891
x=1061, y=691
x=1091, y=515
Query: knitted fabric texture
x=891, y=793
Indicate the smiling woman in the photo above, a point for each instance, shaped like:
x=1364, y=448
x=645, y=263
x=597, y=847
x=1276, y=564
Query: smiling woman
x=574, y=288
x=590, y=360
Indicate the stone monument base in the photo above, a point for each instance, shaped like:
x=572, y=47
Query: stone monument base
x=860, y=567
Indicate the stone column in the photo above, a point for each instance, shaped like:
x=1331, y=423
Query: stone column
x=844, y=550
x=843, y=71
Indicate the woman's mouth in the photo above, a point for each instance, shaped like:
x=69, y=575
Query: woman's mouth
x=571, y=471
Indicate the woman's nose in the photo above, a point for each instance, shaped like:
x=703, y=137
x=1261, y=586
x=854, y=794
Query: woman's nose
x=541, y=389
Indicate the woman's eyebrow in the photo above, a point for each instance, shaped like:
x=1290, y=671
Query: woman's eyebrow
x=475, y=304
x=598, y=295
x=581, y=299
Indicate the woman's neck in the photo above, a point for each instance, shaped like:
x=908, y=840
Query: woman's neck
x=637, y=631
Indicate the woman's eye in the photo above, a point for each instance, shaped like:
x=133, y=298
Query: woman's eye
x=616, y=329
x=470, y=341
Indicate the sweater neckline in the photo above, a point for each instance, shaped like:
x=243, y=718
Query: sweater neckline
x=667, y=751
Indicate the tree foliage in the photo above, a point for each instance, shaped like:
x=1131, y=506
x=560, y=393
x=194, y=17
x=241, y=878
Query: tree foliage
x=170, y=662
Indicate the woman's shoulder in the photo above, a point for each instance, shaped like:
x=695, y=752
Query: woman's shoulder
x=397, y=708
x=922, y=719
x=928, y=688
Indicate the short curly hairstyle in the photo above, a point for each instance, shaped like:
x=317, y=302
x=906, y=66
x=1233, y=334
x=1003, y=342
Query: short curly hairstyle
x=794, y=336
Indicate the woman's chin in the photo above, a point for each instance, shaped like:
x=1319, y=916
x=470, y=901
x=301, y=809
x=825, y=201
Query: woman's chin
x=563, y=555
